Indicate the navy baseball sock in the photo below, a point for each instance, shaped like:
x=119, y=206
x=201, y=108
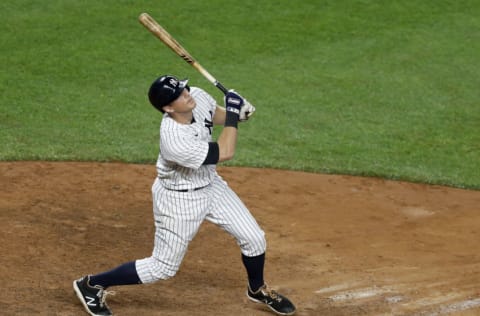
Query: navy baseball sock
x=124, y=274
x=254, y=266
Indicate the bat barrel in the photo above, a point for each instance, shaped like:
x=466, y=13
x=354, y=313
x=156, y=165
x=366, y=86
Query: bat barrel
x=168, y=40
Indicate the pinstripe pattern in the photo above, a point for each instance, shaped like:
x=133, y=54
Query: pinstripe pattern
x=183, y=148
x=178, y=215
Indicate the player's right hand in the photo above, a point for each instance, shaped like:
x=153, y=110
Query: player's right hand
x=246, y=111
x=233, y=102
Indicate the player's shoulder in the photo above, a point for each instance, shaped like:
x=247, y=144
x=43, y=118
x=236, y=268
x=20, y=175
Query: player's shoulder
x=169, y=129
x=203, y=98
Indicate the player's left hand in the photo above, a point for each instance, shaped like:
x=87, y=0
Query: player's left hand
x=246, y=111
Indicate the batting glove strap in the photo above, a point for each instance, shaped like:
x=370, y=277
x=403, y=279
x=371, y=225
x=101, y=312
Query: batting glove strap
x=232, y=109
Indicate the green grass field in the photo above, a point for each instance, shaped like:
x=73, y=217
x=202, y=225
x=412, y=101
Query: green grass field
x=373, y=88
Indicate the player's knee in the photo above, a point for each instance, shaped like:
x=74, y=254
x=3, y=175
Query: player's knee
x=151, y=270
x=262, y=244
x=164, y=272
x=165, y=275
x=256, y=245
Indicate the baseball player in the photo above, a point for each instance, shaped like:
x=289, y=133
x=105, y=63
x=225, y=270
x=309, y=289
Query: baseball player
x=187, y=190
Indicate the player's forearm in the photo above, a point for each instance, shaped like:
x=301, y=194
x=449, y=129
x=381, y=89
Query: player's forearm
x=227, y=143
x=227, y=140
x=219, y=117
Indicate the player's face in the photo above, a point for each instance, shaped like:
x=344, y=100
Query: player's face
x=184, y=103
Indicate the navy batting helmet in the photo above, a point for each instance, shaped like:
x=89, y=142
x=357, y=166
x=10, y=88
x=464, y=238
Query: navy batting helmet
x=165, y=90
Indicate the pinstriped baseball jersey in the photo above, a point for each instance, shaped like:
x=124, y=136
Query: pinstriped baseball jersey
x=183, y=147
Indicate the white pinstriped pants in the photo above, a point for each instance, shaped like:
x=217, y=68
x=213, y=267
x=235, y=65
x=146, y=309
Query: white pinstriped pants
x=178, y=216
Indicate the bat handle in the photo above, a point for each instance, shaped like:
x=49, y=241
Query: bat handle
x=221, y=87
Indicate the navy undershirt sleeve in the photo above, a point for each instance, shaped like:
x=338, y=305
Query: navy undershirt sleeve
x=213, y=154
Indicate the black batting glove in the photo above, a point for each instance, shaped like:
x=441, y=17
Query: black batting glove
x=233, y=104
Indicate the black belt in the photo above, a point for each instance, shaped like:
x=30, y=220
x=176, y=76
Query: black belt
x=188, y=190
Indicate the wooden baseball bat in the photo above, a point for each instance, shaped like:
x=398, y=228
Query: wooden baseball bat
x=168, y=40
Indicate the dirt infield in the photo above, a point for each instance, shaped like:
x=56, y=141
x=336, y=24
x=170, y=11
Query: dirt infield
x=337, y=245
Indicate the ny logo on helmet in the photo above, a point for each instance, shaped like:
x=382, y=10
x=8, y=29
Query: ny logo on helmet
x=173, y=82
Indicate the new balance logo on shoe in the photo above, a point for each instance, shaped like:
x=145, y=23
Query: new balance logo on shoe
x=91, y=301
